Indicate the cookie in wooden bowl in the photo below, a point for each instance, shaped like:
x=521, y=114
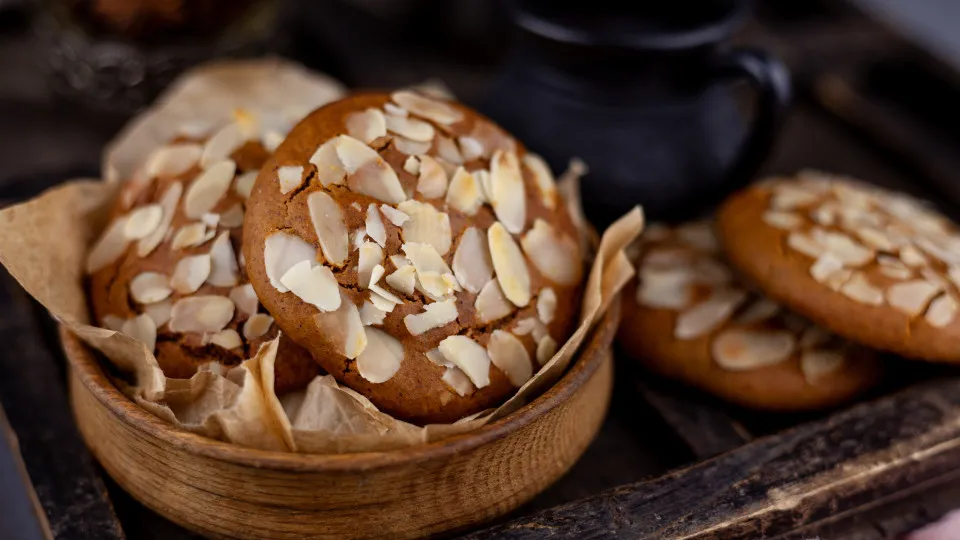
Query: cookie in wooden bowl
x=877, y=267
x=418, y=252
x=691, y=319
x=167, y=269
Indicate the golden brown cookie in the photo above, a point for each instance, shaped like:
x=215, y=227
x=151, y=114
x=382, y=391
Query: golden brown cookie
x=692, y=320
x=422, y=256
x=166, y=269
x=877, y=267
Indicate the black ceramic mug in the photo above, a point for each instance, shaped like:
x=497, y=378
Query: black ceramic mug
x=641, y=91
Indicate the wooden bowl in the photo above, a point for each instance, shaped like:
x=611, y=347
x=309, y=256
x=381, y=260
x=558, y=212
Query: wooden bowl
x=227, y=491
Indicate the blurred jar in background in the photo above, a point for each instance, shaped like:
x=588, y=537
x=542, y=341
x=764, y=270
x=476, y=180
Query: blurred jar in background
x=114, y=56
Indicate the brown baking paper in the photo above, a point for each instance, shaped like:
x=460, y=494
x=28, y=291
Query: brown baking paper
x=44, y=247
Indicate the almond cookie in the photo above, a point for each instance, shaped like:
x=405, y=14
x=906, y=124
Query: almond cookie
x=691, y=319
x=877, y=267
x=422, y=256
x=166, y=270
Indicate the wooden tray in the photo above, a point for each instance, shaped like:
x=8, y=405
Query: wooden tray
x=225, y=491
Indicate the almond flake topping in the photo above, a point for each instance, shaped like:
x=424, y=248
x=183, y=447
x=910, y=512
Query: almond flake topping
x=860, y=289
x=815, y=364
x=700, y=235
x=491, y=304
x=172, y=160
x=367, y=125
x=426, y=225
x=508, y=354
x=850, y=252
x=190, y=273
x=371, y=314
x=411, y=128
x=111, y=245
x=381, y=358
x=169, y=202
x=143, y=221
x=464, y=193
x=374, y=225
x=448, y=152
x=546, y=305
x=224, y=271
x=190, y=235
x=257, y=325
x=666, y=288
x=805, y=244
x=281, y=252
x=556, y=255
x=330, y=226
x=207, y=190
x=708, y=315
x=393, y=215
x=742, y=350
x=142, y=329
x=314, y=284
x=329, y=168
x=244, y=183
x=245, y=298
x=222, y=144
x=395, y=110
x=431, y=109
x=411, y=148
x=471, y=262
x=371, y=255
x=343, y=328
x=453, y=376
x=159, y=312
x=942, y=311
x=432, y=181
x=782, y=220
x=227, y=339
x=403, y=279
x=469, y=356
x=201, y=314
x=412, y=165
x=543, y=179
x=290, y=177
x=507, y=191
x=911, y=297
x=470, y=148
x=509, y=264
x=546, y=348
x=435, y=315
x=826, y=265
x=150, y=287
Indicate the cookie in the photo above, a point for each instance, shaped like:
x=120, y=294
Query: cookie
x=166, y=270
x=691, y=319
x=877, y=267
x=418, y=252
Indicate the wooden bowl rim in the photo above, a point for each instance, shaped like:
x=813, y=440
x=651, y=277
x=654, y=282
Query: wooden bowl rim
x=92, y=376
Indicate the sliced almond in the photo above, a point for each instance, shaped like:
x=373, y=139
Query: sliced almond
x=448, y=152
x=875, y=238
x=378, y=180
x=426, y=225
x=665, y=288
x=483, y=180
x=508, y=354
x=281, y=252
x=556, y=255
x=546, y=305
x=543, y=179
x=381, y=358
x=934, y=278
x=762, y=309
x=814, y=336
x=245, y=298
x=491, y=304
x=403, y=280
x=232, y=217
x=224, y=271
x=395, y=216
x=371, y=255
x=109, y=247
x=159, y=312
x=143, y=221
x=244, y=183
x=143, y=329
x=464, y=193
x=435, y=315
x=411, y=148
x=172, y=160
x=850, y=252
x=425, y=107
x=953, y=273
x=839, y=278
x=942, y=311
x=190, y=235
x=893, y=272
x=113, y=322
x=290, y=178
x=371, y=314
x=816, y=364
x=744, y=350
x=201, y=314
x=222, y=144
x=700, y=235
x=788, y=198
x=190, y=273
x=412, y=165
x=667, y=257
x=825, y=265
x=507, y=191
x=330, y=226
x=787, y=221
x=313, y=283
x=435, y=285
x=509, y=264
x=470, y=148
x=911, y=297
x=471, y=262
x=207, y=190
x=374, y=226
x=432, y=181
x=860, y=289
x=358, y=237
x=210, y=219
x=343, y=328
x=708, y=315
x=425, y=258
x=912, y=257
x=805, y=244
x=381, y=302
x=941, y=253
x=227, y=339
x=469, y=356
x=410, y=128
x=546, y=348
x=330, y=170
x=399, y=261
x=271, y=140
x=169, y=202
x=367, y=125
x=395, y=110
x=150, y=287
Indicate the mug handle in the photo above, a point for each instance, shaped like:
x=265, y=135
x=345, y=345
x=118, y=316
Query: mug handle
x=771, y=80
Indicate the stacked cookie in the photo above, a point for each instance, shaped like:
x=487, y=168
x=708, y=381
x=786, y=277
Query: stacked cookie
x=836, y=268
